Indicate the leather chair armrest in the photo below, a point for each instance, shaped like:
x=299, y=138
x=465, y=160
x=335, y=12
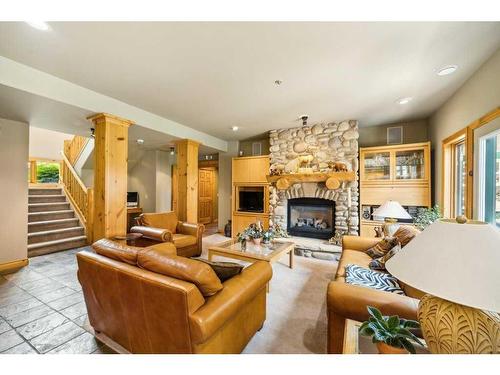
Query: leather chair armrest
x=190, y=229
x=359, y=243
x=157, y=234
x=237, y=291
x=351, y=301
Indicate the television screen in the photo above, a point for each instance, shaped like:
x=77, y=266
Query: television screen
x=132, y=198
x=251, y=201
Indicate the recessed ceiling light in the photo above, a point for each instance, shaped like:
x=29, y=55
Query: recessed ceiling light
x=447, y=70
x=140, y=141
x=234, y=128
x=403, y=101
x=39, y=25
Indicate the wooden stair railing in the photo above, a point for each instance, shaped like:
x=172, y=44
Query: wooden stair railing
x=81, y=197
x=73, y=148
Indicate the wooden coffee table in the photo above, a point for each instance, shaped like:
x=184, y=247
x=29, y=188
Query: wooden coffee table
x=266, y=252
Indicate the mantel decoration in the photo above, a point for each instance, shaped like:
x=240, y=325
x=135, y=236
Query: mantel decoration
x=461, y=258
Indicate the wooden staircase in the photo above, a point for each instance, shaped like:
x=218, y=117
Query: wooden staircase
x=52, y=223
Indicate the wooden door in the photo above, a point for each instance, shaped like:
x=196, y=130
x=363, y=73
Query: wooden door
x=206, y=183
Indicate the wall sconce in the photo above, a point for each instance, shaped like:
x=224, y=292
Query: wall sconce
x=172, y=150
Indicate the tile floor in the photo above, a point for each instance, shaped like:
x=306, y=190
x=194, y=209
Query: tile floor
x=42, y=309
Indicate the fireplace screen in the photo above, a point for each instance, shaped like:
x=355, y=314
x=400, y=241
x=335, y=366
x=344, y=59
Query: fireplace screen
x=311, y=217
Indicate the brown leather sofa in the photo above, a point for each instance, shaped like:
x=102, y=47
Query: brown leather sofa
x=346, y=301
x=149, y=312
x=165, y=227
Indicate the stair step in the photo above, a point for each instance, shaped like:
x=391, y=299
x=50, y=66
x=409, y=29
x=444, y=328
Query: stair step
x=40, y=226
x=44, y=191
x=55, y=234
x=50, y=215
x=46, y=198
x=46, y=207
x=47, y=247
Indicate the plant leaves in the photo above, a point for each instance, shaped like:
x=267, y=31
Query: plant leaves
x=375, y=313
x=393, y=322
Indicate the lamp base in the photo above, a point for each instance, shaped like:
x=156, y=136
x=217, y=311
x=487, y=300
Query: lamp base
x=450, y=328
x=390, y=226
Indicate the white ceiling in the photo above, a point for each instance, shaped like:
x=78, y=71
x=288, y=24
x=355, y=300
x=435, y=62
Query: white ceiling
x=211, y=76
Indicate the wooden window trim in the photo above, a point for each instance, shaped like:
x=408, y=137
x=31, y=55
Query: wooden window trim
x=448, y=169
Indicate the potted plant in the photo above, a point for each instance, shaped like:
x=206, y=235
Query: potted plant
x=268, y=235
x=426, y=216
x=242, y=238
x=391, y=334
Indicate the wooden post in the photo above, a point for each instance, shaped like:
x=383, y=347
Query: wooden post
x=110, y=176
x=187, y=182
x=33, y=171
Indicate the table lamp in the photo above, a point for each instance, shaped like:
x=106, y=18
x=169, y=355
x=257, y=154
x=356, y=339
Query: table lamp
x=391, y=211
x=457, y=263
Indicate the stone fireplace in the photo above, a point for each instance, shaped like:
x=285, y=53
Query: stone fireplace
x=311, y=217
x=326, y=143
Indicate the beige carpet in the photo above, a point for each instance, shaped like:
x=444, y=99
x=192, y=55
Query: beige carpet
x=296, y=306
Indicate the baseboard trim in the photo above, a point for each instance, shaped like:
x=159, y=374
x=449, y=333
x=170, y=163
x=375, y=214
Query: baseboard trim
x=13, y=266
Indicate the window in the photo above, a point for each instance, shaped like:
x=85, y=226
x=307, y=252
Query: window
x=454, y=175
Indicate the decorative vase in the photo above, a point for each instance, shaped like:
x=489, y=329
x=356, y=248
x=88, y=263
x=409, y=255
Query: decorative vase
x=227, y=229
x=244, y=245
x=383, y=348
x=256, y=241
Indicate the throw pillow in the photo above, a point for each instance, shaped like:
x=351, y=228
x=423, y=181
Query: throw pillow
x=379, y=263
x=382, y=247
x=224, y=270
x=405, y=234
x=356, y=275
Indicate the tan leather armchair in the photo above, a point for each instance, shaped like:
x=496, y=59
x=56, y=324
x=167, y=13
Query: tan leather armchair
x=149, y=312
x=165, y=227
x=346, y=301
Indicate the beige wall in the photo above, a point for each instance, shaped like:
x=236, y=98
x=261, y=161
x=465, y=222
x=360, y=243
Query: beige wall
x=14, y=147
x=246, y=146
x=225, y=183
x=479, y=95
x=413, y=132
x=150, y=177
x=46, y=144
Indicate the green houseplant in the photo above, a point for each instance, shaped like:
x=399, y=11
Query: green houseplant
x=426, y=216
x=391, y=334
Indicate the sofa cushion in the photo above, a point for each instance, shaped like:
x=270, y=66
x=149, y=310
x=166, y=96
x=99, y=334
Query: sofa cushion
x=183, y=240
x=182, y=268
x=356, y=275
x=224, y=270
x=379, y=263
x=163, y=220
x=116, y=251
x=405, y=234
x=382, y=247
x=351, y=257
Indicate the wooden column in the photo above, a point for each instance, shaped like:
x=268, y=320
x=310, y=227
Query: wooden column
x=187, y=182
x=110, y=176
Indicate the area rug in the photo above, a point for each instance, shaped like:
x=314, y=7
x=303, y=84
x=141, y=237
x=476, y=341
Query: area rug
x=296, y=305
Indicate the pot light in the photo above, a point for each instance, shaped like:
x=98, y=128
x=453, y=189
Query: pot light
x=234, y=128
x=39, y=25
x=404, y=101
x=450, y=69
x=140, y=141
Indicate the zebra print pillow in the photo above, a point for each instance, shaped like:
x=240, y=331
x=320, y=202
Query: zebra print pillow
x=360, y=276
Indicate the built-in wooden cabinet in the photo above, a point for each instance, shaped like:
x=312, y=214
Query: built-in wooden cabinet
x=249, y=175
x=398, y=172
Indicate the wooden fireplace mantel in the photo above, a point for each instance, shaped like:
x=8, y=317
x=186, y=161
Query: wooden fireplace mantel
x=332, y=180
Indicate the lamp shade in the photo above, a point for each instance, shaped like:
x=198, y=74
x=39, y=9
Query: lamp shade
x=456, y=262
x=392, y=209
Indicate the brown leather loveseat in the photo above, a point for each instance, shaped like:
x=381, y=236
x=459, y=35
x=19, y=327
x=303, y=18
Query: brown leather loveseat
x=165, y=227
x=346, y=301
x=131, y=301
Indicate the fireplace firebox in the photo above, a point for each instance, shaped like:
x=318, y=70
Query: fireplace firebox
x=311, y=217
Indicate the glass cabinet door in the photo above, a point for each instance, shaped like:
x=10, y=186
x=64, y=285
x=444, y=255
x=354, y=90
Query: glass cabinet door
x=377, y=166
x=410, y=165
